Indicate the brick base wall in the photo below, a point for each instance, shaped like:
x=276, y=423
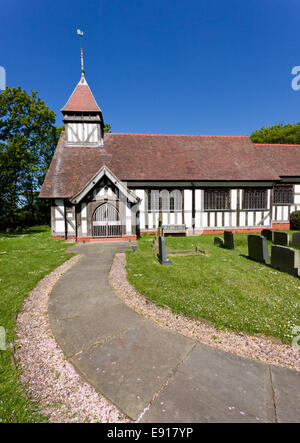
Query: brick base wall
x=95, y=239
x=278, y=226
x=275, y=226
x=281, y=226
x=221, y=231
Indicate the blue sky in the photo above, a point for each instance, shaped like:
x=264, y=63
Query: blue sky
x=169, y=66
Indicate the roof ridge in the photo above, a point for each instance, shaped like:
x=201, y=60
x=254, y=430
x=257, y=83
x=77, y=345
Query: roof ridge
x=277, y=144
x=180, y=135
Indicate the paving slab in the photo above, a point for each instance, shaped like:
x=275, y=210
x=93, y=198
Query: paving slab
x=286, y=386
x=214, y=386
x=78, y=304
x=79, y=332
x=71, y=296
x=132, y=367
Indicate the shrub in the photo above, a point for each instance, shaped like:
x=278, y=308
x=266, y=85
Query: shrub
x=295, y=220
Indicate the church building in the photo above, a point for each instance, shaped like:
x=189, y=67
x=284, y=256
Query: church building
x=117, y=186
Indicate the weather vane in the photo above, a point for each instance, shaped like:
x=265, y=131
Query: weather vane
x=79, y=32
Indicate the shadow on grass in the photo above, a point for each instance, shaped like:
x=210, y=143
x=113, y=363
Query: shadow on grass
x=26, y=231
x=229, y=249
x=255, y=261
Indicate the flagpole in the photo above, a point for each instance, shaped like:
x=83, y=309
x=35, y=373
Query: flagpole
x=80, y=33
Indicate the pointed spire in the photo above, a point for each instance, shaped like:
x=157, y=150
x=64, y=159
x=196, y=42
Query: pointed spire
x=82, y=99
x=82, y=65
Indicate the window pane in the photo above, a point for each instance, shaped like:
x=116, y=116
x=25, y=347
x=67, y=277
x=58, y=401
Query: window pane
x=164, y=200
x=175, y=201
x=153, y=201
x=172, y=204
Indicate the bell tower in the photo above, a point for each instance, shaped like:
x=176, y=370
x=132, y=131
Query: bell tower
x=82, y=116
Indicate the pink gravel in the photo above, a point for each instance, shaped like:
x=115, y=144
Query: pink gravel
x=51, y=380
x=266, y=350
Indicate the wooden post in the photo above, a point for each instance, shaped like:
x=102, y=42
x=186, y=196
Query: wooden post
x=66, y=224
x=193, y=208
x=76, y=223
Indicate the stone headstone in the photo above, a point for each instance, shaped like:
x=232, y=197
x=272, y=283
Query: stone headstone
x=218, y=241
x=285, y=259
x=268, y=233
x=296, y=240
x=281, y=238
x=134, y=248
x=228, y=240
x=258, y=248
x=163, y=260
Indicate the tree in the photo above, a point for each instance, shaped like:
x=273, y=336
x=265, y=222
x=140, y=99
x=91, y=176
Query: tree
x=107, y=127
x=28, y=137
x=281, y=133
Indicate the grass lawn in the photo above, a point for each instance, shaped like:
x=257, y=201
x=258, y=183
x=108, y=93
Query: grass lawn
x=226, y=288
x=25, y=258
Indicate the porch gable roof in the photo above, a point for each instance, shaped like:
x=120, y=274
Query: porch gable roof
x=104, y=171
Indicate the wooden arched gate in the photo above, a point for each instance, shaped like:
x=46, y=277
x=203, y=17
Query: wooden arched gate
x=106, y=221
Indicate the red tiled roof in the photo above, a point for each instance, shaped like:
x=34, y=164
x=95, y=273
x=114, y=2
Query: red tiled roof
x=283, y=158
x=81, y=100
x=141, y=157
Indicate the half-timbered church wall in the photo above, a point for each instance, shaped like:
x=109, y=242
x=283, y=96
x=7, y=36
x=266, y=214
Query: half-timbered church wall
x=178, y=206
x=118, y=185
x=237, y=212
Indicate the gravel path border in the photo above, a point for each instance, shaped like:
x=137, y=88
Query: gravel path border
x=51, y=381
x=263, y=349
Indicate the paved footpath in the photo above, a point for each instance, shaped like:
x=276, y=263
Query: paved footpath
x=150, y=372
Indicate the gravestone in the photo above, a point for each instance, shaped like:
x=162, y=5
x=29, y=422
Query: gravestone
x=285, y=259
x=268, y=233
x=258, y=248
x=163, y=260
x=228, y=240
x=281, y=238
x=296, y=240
x=218, y=241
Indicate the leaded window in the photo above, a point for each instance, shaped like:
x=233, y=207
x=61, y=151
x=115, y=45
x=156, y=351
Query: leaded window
x=216, y=199
x=255, y=199
x=153, y=200
x=167, y=201
x=175, y=201
x=283, y=194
